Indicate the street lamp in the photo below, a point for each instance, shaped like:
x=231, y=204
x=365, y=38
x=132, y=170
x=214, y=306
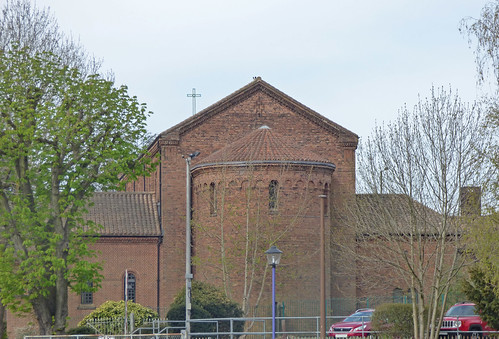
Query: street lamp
x=188, y=273
x=273, y=258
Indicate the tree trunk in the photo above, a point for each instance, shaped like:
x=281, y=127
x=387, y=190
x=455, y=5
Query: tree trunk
x=2, y=321
x=51, y=311
x=43, y=315
x=61, y=311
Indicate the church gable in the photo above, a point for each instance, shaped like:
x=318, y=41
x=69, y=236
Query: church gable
x=254, y=105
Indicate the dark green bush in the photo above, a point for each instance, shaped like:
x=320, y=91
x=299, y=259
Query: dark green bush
x=394, y=320
x=80, y=330
x=176, y=318
x=210, y=299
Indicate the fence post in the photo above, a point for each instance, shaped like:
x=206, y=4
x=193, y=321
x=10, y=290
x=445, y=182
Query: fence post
x=457, y=327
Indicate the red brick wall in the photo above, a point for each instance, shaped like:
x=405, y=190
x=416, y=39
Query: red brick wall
x=217, y=131
x=138, y=256
x=212, y=130
x=208, y=132
x=242, y=196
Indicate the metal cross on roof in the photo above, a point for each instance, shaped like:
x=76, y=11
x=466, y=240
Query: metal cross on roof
x=193, y=96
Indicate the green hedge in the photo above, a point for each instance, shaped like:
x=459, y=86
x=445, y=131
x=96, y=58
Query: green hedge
x=394, y=320
x=81, y=330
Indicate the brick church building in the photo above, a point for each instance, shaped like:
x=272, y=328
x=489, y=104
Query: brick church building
x=264, y=160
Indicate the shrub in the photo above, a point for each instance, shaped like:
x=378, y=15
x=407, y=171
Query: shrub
x=177, y=312
x=210, y=299
x=395, y=320
x=81, y=330
x=116, y=310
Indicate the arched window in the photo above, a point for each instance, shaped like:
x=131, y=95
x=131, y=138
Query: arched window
x=130, y=287
x=213, y=199
x=273, y=188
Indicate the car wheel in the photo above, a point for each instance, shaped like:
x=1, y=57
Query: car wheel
x=477, y=334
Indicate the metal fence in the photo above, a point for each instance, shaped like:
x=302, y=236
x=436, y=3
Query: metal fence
x=334, y=306
x=294, y=318
x=117, y=336
x=260, y=328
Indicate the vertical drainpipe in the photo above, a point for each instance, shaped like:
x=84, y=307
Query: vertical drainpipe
x=160, y=240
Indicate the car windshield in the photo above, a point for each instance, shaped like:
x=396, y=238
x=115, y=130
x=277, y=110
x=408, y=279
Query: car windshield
x=461, y=310
x=359, y=317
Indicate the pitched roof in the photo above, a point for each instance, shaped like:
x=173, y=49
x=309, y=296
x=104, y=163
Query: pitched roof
x=392, y=214
x=125, y=214
x=263, y=146
x=258, y=85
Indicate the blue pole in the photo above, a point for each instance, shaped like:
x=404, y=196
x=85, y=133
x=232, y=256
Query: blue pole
x=273, y=301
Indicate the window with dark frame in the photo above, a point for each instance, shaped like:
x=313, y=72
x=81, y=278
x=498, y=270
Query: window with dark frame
x=87, y=298
x=131, y=287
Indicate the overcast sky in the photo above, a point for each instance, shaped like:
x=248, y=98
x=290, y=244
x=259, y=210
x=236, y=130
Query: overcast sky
x=354, y=61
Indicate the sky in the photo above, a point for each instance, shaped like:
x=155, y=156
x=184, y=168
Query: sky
x=357, y=62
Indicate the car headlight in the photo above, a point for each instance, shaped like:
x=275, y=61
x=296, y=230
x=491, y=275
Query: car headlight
x=360, y=328
x=456, y=323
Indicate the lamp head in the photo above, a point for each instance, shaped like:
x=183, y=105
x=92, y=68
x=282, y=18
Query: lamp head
x=273, y=256
x=194, y=154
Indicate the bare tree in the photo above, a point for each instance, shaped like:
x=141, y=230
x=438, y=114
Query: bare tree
x=23, y=26
x=483, y=36
x=407, y=225
x=484, y=33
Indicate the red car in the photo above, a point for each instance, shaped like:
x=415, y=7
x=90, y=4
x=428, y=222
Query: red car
x=355, y=325
x=463, y=317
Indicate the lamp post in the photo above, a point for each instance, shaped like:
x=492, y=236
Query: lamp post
x=188, y=273
x=273, y=258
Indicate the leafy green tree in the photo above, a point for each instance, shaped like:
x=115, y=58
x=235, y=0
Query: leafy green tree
x=481, y=242
x=207, y=302
x=63, y=136
x=481, y=290
x=116, y=310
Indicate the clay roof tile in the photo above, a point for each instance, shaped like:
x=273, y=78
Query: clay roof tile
x=263, y=145
x=125, y=214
